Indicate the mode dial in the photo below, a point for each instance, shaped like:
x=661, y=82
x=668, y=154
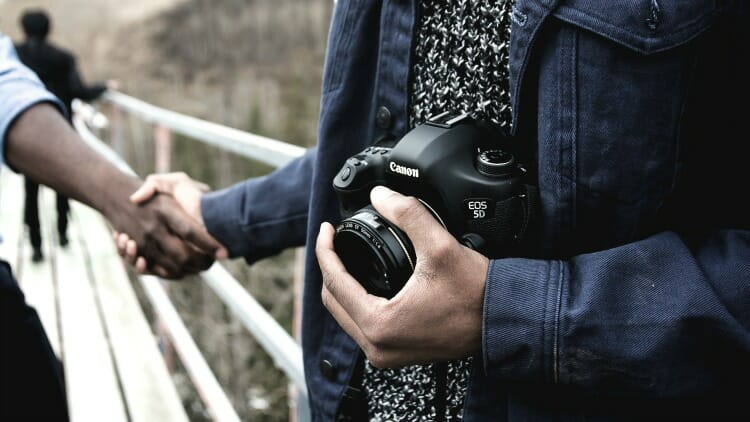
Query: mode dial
x=495, y=162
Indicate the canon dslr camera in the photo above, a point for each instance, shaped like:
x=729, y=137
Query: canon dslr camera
x=462, y=170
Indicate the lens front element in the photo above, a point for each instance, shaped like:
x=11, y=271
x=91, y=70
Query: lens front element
x=375, y=252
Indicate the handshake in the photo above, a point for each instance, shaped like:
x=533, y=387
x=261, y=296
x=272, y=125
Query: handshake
x=182, y=246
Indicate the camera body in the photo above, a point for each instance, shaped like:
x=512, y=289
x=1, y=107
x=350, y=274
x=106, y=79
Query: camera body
x=462, y=170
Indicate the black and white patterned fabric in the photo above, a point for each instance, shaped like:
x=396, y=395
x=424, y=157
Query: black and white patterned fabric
x=461, y=65
x=461, y=60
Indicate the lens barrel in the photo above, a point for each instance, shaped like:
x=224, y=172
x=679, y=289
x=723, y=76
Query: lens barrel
x=375, y=252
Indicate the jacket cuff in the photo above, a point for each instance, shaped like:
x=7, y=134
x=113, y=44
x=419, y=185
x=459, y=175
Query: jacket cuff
x=521, y=318
x=253, y=224
x=216, y=207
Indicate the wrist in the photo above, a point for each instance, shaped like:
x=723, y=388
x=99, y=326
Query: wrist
x=195, y=209
x=112, y=195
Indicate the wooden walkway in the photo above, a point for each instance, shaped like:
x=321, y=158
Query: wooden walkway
x=113, y=368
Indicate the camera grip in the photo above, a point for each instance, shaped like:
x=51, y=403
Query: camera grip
x=510, y=231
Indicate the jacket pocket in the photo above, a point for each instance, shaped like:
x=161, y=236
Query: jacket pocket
x=644, y=26
x=628, y=66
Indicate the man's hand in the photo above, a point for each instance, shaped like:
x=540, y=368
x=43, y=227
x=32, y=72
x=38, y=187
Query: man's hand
x=186, y=191
x=436, y=316
x=113, y=85
x=43, y=146
x=172, y=244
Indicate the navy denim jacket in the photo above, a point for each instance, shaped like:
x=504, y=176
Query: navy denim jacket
x=638, y=301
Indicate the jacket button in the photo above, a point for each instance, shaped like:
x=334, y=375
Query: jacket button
x=327, y=369
x=383, y=118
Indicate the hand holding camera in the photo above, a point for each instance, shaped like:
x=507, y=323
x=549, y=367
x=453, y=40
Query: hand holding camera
x=405, y=275
x=438, y=313
x=463, y=171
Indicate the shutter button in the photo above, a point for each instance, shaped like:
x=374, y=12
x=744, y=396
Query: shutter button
x=346, y=173
x=383, y=118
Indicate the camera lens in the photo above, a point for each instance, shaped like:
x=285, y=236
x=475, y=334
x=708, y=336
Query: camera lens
x=375, y=252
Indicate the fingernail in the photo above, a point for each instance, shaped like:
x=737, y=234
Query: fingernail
x=379, y=193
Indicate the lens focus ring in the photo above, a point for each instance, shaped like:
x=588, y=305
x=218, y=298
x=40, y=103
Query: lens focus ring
x=375, y=252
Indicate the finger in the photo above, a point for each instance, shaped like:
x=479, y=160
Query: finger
x=164, y=249
x=122, y=240
x=411, y=216
x=199, y=262
x=165, y=271
x=131, y=251
x=186, y=256
x=380, y=355
x=147, y=190
x=190, y=230
x=202, y=186
x=115, y=238
x=161, y=272
x=157, y=183
x=141, y=265
x=343, y=287
x=342, y=317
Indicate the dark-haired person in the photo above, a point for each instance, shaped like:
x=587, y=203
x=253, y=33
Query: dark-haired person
x=58, y=71
x=36, y=140
x=637, y=304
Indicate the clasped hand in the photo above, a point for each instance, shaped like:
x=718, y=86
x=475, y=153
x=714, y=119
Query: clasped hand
x=183, y=246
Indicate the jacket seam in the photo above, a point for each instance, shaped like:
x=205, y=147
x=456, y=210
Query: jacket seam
x=556, y=333
x=545, y=327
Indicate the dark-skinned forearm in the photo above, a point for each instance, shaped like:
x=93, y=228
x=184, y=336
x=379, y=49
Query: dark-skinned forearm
x=42, y=145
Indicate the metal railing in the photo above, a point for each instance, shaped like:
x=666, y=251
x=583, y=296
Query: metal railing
x=282, y=348
x=260, y=148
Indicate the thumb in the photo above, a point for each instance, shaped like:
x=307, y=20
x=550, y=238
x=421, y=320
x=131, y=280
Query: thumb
x=158, y=183
x=147, y=190
x=411, y=216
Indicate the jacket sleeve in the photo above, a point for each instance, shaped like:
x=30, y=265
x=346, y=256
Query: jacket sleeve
x=661, y=317
x=263, y=216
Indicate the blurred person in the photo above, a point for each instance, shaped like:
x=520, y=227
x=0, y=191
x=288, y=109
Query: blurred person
x=636, y=305
x=36, y=140
x=58, y=71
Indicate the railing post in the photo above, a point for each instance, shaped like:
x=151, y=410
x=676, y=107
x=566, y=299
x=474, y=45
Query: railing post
x=163, y=158
x=163, y=138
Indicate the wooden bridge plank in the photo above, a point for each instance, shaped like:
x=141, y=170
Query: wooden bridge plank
x=149, y=391
x=93, y=389
x=37, y=278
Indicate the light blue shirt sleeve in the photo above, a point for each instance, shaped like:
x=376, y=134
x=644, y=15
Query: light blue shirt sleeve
x=19, y=89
